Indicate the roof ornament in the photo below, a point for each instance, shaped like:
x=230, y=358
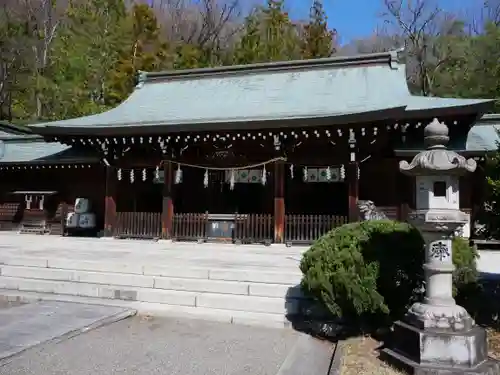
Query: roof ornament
x=437, y=159
x=141, y=77
x=395, y=56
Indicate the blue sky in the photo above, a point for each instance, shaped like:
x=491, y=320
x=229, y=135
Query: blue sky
x=357, y=18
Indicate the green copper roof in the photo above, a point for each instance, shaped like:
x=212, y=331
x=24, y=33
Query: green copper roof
x=8, y=130
x=484, y=134
x=36, y=151
x=22, y=152
x=257, y=93
x=483, y=137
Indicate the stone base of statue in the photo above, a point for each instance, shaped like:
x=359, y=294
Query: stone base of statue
x=440, y=340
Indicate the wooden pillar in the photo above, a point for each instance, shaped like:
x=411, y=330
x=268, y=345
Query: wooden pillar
x=353, y=186
x=110, y=202
x=167, y=216
x=405, y=194
x=279, y=202
x=64, y=214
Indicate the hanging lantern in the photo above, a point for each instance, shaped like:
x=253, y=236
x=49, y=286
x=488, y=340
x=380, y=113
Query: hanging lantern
x=264, y=175
x=328, y=174
x=205, y=178
x=119, y=174
x=291, y=171
x=305, y=174
x=157, y=173
x=178, y=174
x=342, y=172
x=144, y=175
x=132, y=176
x=232, y=180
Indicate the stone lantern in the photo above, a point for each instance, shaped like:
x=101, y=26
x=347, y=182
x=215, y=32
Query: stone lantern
x=437, y=336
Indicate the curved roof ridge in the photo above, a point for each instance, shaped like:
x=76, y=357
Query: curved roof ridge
x=390, y=58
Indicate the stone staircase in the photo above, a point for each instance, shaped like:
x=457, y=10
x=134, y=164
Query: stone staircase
x=238, y=284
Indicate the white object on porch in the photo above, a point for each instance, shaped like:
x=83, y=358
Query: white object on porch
x=72, y=220
x=82, y=205
x=86, y=220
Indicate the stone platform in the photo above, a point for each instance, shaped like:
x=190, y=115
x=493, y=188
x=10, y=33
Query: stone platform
x=239, y=284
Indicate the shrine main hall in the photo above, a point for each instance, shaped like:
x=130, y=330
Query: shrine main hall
x=265, y=153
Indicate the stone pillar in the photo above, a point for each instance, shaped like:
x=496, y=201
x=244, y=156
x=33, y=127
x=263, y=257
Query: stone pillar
x=110, y=202
x=437, y=336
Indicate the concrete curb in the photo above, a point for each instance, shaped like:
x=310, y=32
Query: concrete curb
x=309, y=356
x=126, y=313
x=336, y=366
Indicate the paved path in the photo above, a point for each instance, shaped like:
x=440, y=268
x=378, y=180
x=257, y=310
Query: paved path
x=160, y=346
x=25, y=326
x=132, y=254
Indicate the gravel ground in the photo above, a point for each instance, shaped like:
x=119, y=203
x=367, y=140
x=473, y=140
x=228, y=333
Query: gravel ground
x=360, y=357
x=149, y=346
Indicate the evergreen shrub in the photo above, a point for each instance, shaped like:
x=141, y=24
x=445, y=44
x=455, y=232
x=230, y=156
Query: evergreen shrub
x=373, y=269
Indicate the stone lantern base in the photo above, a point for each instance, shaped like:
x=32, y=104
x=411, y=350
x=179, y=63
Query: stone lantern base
x=423, y=351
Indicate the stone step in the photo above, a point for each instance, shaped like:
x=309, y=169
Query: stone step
x=69, y=243
x=243, y=273
x=205, y=260
x=204, y=285
x=158, y=309
x=249, y=303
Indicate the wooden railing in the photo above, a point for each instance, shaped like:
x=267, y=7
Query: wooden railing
x=189, y=227
x=57, y=222
x=248, y=228
x=307, y=228
x=137, y=225
x=392, y=212
x=254, y=228
x=10, y=216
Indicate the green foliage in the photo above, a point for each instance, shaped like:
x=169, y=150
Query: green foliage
x=464, y=259
x=318, y=40
x=365, y=268
x=268, y=35
x=490, y=215
x=472, y=65
x=80, y=57
x=249, y=48
x=142, y=49
x=373, y=269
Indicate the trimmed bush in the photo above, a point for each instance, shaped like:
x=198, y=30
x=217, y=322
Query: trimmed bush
x=373, y=269
x=464, y=259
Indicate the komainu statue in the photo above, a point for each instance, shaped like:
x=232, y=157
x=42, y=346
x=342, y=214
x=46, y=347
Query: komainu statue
x=368, y=211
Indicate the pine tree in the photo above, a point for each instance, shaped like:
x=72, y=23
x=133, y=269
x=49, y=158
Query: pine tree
x=143, y=49
x=249, y=48
x=318, y=40
x=280, y=35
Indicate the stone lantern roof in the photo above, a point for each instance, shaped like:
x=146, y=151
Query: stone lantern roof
x=437, y=159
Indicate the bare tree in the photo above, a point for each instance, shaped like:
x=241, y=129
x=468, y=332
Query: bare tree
x=43, y=18
x=424, y=28
x=207, y=24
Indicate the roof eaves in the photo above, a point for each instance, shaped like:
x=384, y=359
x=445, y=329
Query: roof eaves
x=489, y=119
x=23, y=138
x=14, y=129
x=229, y=124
